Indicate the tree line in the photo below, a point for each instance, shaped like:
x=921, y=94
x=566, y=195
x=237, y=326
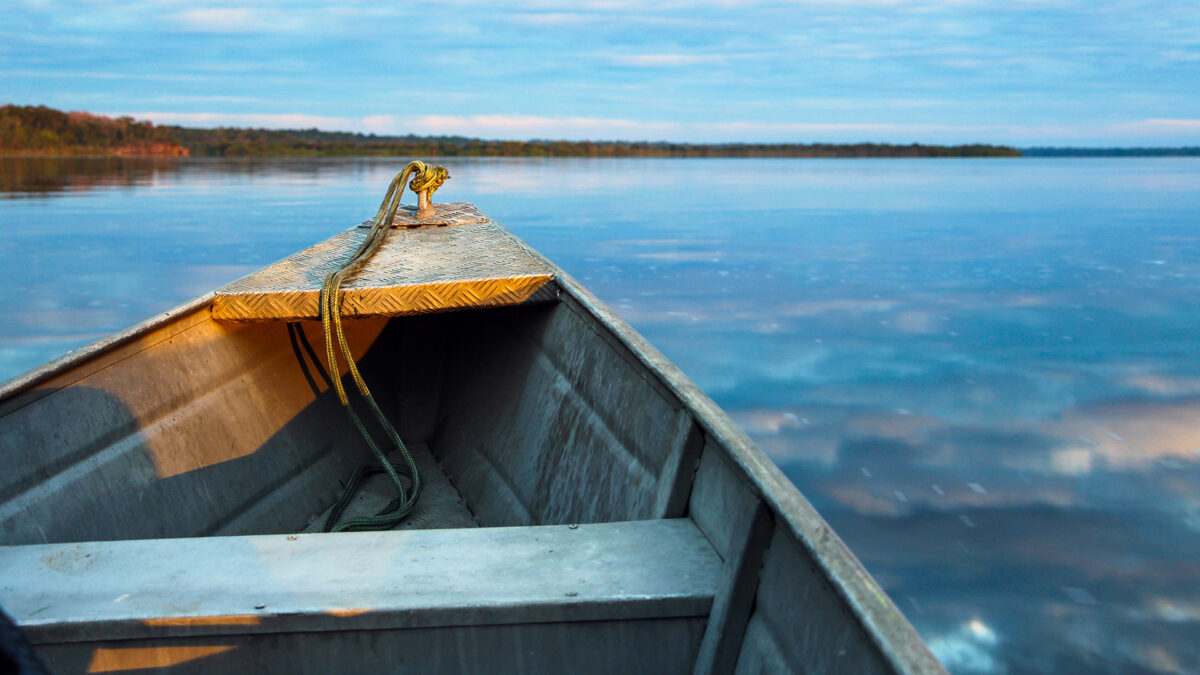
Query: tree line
x=42, y=130
x=1112, y=152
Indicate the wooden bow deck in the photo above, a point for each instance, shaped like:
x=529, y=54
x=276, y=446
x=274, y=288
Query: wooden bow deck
x=462, y=260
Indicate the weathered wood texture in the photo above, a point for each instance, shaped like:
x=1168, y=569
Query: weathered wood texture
x=549, y=423
x=333, y=586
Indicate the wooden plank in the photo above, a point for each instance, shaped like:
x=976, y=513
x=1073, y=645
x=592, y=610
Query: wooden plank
x=414, y=271
x=358, y=581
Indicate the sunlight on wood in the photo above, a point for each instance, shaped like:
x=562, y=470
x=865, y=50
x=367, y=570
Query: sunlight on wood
x=120, y=659
x=233, y=416
x=220, y=620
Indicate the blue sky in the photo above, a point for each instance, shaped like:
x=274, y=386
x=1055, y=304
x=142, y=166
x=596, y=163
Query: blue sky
x=1023, y=72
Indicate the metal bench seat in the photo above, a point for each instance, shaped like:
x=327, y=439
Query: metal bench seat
x=551, y=598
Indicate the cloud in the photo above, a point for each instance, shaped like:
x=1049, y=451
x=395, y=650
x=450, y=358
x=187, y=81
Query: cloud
x=369, y=124
x=968, y=649
x=1161, y=126
x=1161, y=131
x=217, y=20
x=550, y=19
x=598, y=128
x=711, y=71
x=200, y=98
x=667, y=60
x=231, y=20
x=1181, y=55
x=379, y=124
x=536, y=126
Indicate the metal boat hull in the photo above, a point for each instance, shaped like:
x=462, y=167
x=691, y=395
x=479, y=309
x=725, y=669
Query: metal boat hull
x=160, y=484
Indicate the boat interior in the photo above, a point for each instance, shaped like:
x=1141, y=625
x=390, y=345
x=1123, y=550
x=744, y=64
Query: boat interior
x=512, y=418
x=164, y=498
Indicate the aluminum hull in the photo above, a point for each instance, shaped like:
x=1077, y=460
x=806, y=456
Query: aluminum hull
x=161, y=487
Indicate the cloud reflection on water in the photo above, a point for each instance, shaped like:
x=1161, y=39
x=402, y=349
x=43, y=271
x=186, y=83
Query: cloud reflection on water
x=996, y=408
x=985, y=375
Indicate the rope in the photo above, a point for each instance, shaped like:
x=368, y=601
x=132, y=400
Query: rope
x=430, y=179
x=426, y=178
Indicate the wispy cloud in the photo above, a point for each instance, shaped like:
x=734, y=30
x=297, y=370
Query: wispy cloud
x=664, y=59
x=1181, y=55
x=552, y=18
x=526, y=127
x=373, y=123
x=233, y=20
x=534, y=126
x=1163, y=126
x=1064, y=72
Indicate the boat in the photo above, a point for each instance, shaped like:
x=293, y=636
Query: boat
x=583, y=506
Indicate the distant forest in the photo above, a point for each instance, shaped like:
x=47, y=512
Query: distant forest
x=38, y=130
x=1111, y=152
x=228, y=142
x=29, y=130
x=42, y=131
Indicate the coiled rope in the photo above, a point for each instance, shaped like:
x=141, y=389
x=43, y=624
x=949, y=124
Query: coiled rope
x=426, y=179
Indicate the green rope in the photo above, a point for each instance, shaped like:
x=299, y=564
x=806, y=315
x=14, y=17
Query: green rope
x=426, y=178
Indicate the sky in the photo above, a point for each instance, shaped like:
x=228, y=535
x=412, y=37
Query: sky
x=1019, y=72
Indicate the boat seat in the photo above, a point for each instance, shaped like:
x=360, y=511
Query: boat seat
x=605, y=597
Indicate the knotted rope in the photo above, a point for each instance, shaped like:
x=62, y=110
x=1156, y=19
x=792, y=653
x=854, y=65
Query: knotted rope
x=426, y=179
x=429, y=178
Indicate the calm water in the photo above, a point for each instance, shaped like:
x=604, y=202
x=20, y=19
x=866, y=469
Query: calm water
x=984, y=373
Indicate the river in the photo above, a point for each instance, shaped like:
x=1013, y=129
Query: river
x=984, y=373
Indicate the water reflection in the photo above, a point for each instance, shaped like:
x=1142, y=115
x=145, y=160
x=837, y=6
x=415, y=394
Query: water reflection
x=23, y=177
x=985, y=374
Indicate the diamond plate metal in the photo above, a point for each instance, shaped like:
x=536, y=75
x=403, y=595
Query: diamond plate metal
x=415, y=271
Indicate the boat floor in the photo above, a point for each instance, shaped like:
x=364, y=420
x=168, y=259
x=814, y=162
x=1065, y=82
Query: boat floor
x=439, y=507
